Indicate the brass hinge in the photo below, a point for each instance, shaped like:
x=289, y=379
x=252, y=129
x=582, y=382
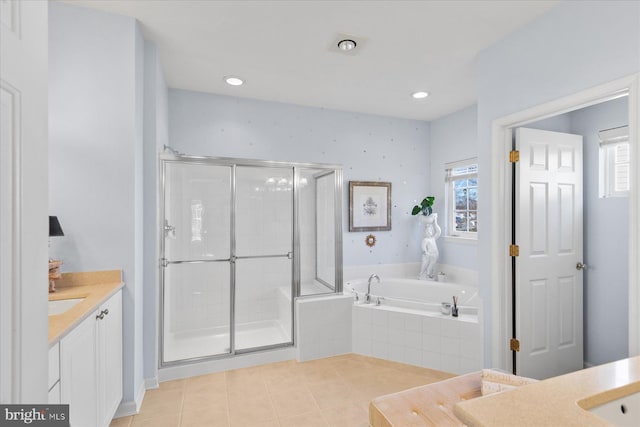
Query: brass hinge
x=514, y=345
x=514, y=156
x=514, y=250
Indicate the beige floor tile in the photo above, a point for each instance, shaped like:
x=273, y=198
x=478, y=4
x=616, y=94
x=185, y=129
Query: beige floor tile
x=158, y=403
x=209, y=383
x=212, y=403
x=163, y=421
x=296, y=403
x=332, y=393
x=121, y=422
x=285, y=383
x=319, y=374
x=271, y=423
x=335, y=391
x=250, y=411
x=173, y=385
x=313, y=419
x=205, y=416
x=346, y=416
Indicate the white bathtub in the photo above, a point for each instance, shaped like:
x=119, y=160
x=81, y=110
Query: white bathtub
x=408, y=325
x=414, y=294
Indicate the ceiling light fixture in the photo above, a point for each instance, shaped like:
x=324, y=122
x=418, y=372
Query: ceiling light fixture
x=347, y=44
x=233, y=80
x=420, y=95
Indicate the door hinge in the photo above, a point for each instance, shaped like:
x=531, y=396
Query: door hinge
x=514, y=156
x=514, y=345
x=514, y=250
x=164, y=262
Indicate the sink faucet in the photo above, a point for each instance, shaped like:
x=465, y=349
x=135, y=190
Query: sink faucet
x=367, y=297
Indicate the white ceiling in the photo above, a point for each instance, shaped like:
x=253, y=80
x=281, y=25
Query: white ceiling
x=283, y=49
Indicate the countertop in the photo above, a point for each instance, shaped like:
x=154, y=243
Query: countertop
x=95, y=287
x=559, y=401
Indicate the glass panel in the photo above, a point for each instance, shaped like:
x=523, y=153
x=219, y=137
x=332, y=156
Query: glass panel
x=197, y=211
x=460, y=183
x=473, y=182
x=196, y=310
x=461, y=221
x=264, y=211
x=473, y=221
x=473, y=199
x=263, y=302
x=316, y=214
x=461, y=198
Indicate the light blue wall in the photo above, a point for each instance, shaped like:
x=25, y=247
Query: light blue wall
x=606, y=226
x=452, y=138
x=95, y=164
x=575, y=46
x=370, y=148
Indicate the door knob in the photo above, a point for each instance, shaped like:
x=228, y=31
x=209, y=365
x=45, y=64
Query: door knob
x=581, y=266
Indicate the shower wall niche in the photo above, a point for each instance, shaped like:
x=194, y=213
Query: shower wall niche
x=240, y=241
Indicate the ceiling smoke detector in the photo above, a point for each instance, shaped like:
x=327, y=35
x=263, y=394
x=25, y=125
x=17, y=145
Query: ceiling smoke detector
x=347, y=44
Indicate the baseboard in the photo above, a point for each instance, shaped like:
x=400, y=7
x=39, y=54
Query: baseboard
x=151, y=383
x=588, y=365
x=131, y=407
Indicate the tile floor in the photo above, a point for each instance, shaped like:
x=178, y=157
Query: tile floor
x=327, y=392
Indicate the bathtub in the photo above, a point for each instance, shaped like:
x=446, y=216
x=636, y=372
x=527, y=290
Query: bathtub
x=408, y=325
x=413, y=294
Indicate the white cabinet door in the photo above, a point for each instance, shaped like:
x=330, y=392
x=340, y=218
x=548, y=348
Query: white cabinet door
x=78, y=386
x=109, y=357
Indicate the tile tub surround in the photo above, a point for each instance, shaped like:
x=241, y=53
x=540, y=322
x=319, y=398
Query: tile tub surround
x=562, y=401
x=423, y=339
x=95, y=287
x=335, y=391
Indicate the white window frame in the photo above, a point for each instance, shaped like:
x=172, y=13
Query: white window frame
x=450, y=210
x=613, y=169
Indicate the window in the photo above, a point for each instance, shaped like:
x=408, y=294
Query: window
x=462, y=199
x=614, y=162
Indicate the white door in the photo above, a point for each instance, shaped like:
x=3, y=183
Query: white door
x=23, y=201
x=549, y=234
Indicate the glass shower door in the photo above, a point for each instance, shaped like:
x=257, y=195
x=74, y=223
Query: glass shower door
x=264, y=256
x=197, y=268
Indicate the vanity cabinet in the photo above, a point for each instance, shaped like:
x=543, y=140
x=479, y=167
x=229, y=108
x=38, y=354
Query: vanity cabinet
x=91, y=366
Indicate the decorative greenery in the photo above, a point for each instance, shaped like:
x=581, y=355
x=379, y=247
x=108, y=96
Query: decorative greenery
x=425, y=207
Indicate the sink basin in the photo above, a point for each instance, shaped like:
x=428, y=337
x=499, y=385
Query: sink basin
x=62, y=305
x=624, y=411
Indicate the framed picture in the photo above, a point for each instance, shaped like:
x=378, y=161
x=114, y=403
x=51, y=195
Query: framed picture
x=369, y=206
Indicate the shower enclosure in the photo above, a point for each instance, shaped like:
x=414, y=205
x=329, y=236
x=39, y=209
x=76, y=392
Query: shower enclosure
x=240, y=240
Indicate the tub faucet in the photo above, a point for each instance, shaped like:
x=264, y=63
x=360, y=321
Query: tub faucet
x=367, y=297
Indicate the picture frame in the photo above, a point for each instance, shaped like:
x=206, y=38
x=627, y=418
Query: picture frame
x=369, y=206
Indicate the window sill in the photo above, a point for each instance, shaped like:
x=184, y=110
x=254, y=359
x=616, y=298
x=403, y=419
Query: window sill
x=460, y=239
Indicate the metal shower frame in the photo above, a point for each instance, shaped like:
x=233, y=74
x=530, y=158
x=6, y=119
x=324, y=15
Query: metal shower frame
x=232, y=163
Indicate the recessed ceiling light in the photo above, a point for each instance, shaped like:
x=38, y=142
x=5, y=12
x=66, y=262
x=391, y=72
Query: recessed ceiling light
x=420, y=95
x=233, y=80
x=347, y=44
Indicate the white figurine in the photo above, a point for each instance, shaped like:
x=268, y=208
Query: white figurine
x=430, y=251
